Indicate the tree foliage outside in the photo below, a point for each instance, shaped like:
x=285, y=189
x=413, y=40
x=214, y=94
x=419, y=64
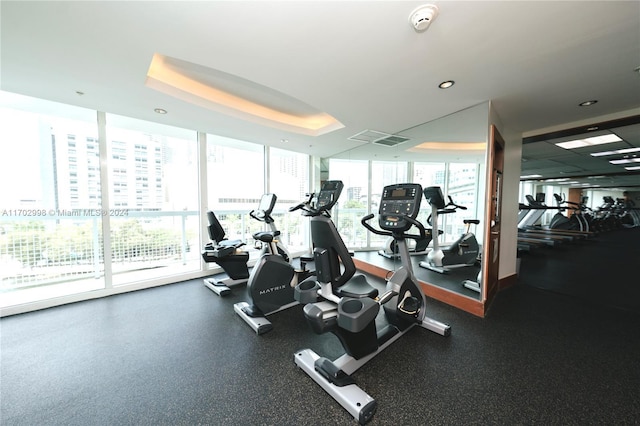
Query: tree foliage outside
x=33, y=245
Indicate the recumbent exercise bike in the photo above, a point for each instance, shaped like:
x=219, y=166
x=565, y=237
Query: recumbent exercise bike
x=349, y=307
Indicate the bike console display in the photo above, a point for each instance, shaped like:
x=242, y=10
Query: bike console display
x=329, y=194
x=398, y=202
x=263, y=213
x=434, y=197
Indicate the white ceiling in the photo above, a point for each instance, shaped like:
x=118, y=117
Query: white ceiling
x=359, y=61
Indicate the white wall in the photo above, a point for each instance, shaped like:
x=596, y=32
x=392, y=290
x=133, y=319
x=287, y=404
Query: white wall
x=510, y=194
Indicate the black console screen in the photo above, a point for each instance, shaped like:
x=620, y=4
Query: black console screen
x=399, y=201
x=398, y=193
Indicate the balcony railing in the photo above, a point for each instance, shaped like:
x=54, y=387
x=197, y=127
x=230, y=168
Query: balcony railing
x=64, y=253
x=63, y=246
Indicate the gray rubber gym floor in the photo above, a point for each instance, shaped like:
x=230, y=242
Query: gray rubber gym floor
x=178, y=355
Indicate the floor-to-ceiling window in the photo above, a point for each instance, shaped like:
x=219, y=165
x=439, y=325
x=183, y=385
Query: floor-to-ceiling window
x=235, y=184
x=354, y=200
x=427, y=175
x=289, y=180
x=72, y=176
x=384, y=173
x=462, y=187
x=236, y=180
x=51, y=212
x=153, y=199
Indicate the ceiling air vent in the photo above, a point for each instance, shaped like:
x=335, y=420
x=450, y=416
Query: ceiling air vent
x=368, y=136
x=391, y=140
x=378, y=138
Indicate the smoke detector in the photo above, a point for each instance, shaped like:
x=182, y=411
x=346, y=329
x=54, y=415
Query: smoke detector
x=422, y=16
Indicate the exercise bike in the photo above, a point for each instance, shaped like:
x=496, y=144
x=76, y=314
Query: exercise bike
x=354, y=316
x=474, y=285
x=419, y=247
x=273, y=277
x=464, y=251
x=228, y=254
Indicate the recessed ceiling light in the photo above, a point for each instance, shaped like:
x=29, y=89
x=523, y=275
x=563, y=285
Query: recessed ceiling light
x=446, y=84
x=595, y=140
x=160, y=111
x=633, y=168
x=588, y=103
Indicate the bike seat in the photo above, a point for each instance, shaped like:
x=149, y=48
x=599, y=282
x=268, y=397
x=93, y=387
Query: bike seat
x=468, y=221
x=266, y=236
x=357, y=287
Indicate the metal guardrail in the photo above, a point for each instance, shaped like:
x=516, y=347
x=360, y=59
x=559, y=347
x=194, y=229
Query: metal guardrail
x=64, y=245
x=42, y=247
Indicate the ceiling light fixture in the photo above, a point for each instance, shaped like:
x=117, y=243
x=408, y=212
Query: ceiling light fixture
x=449, y=146
x=617, y=151
x=588, y=103
x=557, y=180
x=446, y=84
x=632, y=168
x=422, y=16
x=160, y=111
x=595, y=140
x=625, y=161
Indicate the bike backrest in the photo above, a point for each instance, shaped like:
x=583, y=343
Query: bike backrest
x=216, y=232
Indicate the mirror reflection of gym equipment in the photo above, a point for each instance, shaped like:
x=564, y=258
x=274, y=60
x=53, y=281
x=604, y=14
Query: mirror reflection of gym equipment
x=464, y=251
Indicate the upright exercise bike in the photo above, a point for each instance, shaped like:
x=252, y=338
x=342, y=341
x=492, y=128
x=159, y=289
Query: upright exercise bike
x=464, y=251
x=419, y=247
x=273, y=277
x=355, y=317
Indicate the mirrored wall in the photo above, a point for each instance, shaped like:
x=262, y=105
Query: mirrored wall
x=449, y=153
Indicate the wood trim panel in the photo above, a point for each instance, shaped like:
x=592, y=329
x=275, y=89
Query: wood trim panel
x=459, y=301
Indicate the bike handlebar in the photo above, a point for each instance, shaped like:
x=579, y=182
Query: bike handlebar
x=451, y=203
x=423, y=233
x=308, y=208
x=305, y=203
